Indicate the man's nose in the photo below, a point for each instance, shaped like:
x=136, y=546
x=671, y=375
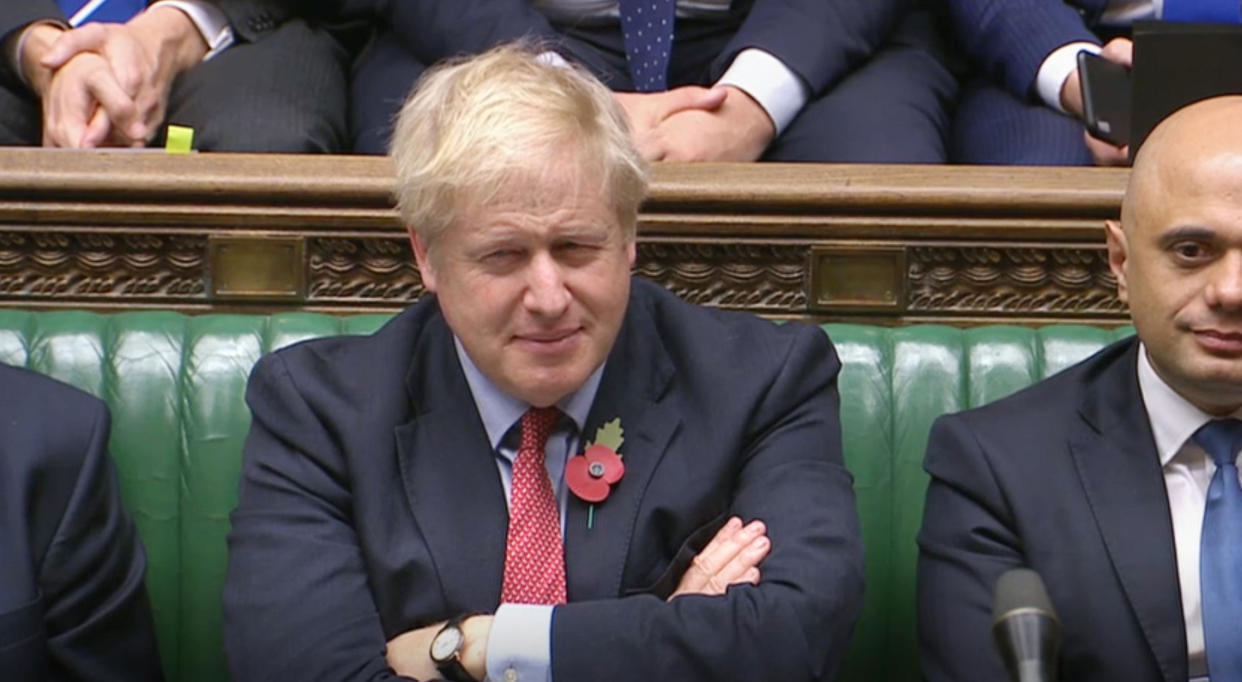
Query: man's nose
x=546, y=292
x=1225, y=289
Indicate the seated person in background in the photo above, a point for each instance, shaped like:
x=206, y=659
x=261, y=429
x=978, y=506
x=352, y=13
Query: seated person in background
x=1024, y=106
x=245, y=76
x=1117, y=479
x=794, y=80
x=430, y=473
x=73, y=605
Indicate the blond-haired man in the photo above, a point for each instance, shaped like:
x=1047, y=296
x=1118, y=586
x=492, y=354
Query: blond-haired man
x=413, y=503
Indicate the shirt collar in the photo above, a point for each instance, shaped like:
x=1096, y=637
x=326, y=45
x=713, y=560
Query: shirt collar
x=500, y=411
x=1173, y=418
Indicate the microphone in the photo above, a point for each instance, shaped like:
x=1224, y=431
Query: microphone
x=1025, y=626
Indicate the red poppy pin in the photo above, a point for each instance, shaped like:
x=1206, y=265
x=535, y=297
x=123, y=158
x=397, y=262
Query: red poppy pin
x=592, y=474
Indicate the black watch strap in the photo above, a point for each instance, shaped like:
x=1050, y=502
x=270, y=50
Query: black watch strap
x=454, y=671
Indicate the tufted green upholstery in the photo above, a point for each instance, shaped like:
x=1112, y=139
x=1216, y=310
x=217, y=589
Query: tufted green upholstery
x=174, y=384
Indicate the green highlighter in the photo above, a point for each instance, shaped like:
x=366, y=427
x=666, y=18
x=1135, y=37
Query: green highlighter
x=180, y=140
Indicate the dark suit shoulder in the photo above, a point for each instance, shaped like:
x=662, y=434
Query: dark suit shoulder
x=1053, y=400
x=45, y=421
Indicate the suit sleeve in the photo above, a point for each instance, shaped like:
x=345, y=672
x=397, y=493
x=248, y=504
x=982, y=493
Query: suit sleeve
x=252, y=20
x=293, y=554
x=820, y=40
x=1008, y=40
x=967, y=541
x=796, y=623
x=97, y=615
x=15, y=14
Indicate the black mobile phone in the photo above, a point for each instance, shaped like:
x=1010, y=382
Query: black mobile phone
x=1105, y=98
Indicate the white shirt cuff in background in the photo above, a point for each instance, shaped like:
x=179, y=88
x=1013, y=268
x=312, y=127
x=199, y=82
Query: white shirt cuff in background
x=551, y=58
x=210, y=21
x=1058, y=66
x=773, y=85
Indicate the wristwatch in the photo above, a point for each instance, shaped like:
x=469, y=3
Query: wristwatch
x=446, y=649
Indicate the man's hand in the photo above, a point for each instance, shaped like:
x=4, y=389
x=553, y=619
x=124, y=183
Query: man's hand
x=731, y=558
x=144, y=55
x=738, y=130
x=1119, y=51
x=645, y=111
x=38, y=40
x=81, y=100
x=409, y=653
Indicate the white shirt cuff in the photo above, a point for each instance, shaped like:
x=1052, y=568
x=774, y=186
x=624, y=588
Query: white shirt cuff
x=776, y=88
x=1058, y=66
x=210, y=21
x=519, y=646
x=551, y=58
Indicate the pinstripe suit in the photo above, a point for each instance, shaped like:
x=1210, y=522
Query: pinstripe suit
x=1000, y=119
x=863, y=61
x=245, y=99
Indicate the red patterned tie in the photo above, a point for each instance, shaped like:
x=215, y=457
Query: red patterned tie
x=534, y=557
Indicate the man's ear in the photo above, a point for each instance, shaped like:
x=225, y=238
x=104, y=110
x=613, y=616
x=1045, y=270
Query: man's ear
x=421, y=257
x=631, y=252
x=1115, y=235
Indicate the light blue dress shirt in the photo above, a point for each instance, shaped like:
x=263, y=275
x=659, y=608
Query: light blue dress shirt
x=519, y=648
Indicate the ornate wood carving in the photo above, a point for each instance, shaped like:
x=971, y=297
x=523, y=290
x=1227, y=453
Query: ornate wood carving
x=363, y=270
x=765, y=278
x=1063, y=280
x=102, y=266
x=967, y=244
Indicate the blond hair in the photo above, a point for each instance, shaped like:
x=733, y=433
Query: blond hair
x=473, y=125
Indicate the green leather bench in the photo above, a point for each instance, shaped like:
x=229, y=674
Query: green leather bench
x=175, y=384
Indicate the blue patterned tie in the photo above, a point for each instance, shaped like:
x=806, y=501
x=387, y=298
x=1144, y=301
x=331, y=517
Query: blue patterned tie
x=647, y=26
x=79, y=12
x=1210, y=11
x=1220, y=552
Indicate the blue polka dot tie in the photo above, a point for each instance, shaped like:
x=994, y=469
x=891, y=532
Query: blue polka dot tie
x=78, y=12
x=647, y=26
x=1210, y=11
x=1220, y=552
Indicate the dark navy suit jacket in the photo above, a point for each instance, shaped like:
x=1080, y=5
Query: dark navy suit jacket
x=1009, y=39
x=1062, y=477
x=820, y=41
x=371, y=504
x=72, y=601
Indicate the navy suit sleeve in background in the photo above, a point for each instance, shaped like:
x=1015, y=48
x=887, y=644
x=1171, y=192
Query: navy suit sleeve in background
x=1008, y=40
x=818, y=40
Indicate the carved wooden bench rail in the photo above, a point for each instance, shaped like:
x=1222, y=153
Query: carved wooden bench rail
x=879, y=244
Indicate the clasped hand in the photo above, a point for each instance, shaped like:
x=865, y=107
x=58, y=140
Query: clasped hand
x=731, y=558
x=108, y=83
x=693, y=123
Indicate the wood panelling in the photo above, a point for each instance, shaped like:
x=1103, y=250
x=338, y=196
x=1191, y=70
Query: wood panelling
x=879, y=244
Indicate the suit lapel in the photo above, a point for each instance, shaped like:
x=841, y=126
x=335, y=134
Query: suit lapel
x=1115, y=454
x=634, y=381
x=450, y=476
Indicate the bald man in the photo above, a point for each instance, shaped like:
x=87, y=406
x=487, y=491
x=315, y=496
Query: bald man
x=1116, y=479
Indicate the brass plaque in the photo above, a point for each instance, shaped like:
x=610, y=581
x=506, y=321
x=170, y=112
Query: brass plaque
x=858, y=277
x=257, y=268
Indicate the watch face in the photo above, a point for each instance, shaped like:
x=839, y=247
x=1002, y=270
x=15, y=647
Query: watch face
x=445, y=644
